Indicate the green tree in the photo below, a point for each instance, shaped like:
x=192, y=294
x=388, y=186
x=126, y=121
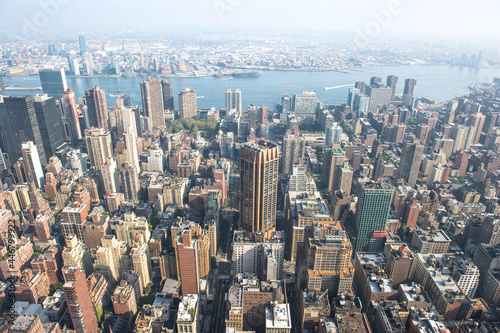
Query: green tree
x=55, y=286
x=148, y=288
x=320, y=152
x=58, y=216
x=99, y=312
x=194, y=131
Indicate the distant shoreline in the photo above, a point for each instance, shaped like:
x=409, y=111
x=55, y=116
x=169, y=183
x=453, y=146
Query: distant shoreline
x=249, y=71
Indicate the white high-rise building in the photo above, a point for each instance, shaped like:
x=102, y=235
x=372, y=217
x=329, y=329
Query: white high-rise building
x=110, y=176
x=130, y=136
x=233, y=100
x=300, y=181
x=89, y=62
x=333, y=134
x=32, y=163
x=141, y=262
x=250, y=256
x=77, y=162
x=98, y=146
x=350, y=97
x=76, y=66
x=155, y=160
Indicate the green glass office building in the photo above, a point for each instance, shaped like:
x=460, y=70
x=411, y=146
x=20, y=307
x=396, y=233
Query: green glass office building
x=371, y=215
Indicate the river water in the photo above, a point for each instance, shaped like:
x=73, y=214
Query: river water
x=440, y=82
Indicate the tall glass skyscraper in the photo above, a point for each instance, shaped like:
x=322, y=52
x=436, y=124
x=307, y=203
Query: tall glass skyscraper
x=19, y=124
x=168, y=95
x=49, y=123
x=371, y=215
x=53, y=82
x=83, y=44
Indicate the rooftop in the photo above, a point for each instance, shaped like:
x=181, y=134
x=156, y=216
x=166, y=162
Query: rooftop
x=278, y=316
x=188, y=308
x=22, y=323
x=259, y=145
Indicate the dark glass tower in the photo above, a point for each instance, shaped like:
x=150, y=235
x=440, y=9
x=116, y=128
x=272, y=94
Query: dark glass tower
x=371, y=215
x=53, y=82
x=19, y=124
x=168, y=95
x=49, y=123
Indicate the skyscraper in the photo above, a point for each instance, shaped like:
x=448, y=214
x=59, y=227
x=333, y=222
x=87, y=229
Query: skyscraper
x=258, y=186
x=110, y=176
x=392, y=81
x=371, y=215
x=79, y=301
x=361, y=86
x=53, y=82
x=333, y=157
x=19, y=124
x=98, y=146
x=2, y=86
x=74, y=216
x=305, y=104
x=375, y=79
x=152, y=101
x=187, y=103
x=361, y=102
x=293, y=150
x=233, y=100
x=410, y=87
x=83, y=44
x=130, y=182
x=476, y=122
x=49, y=123
x=130, y=137
x=112, y=258
x=32, y=163
x=122, y=101
x=333, y=134
x=74, y=64
x=379, y=95
x=97, y=108
x=286, y=104
x=350, y=97
x=141, y=262
x=168, y=95
x=187, y=251
x=410, y=162
x=68, y=103
x=88, y=63
x=343, y=178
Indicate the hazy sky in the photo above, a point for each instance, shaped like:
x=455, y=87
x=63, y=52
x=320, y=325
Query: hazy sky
x=443, y=18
